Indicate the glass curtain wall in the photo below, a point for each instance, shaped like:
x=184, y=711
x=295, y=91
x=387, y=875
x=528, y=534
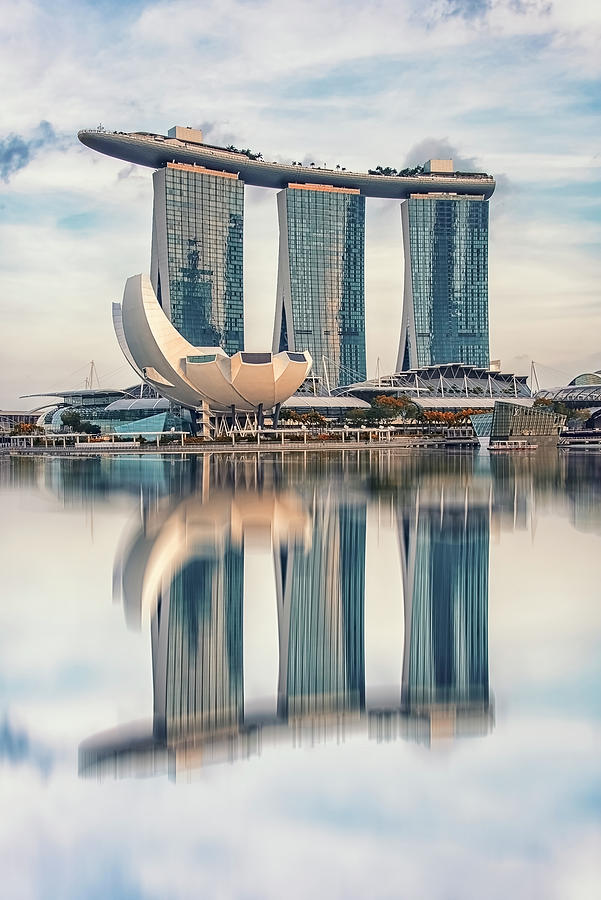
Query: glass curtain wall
x=445, y=306
x=196, y=266
x=321, y=294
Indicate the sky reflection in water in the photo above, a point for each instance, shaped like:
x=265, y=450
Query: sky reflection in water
x=398, y=653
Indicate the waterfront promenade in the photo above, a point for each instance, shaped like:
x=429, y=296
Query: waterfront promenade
x=213, y=447
x=286, y=439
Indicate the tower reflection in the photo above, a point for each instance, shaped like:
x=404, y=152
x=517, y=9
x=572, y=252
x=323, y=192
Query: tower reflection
x=183, y=568
x=321, y=597
x=444, y=530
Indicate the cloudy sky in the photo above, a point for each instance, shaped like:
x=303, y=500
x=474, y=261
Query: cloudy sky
x=512, y=86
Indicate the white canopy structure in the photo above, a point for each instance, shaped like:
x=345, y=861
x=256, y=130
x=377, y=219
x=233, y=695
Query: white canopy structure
x=195, y=375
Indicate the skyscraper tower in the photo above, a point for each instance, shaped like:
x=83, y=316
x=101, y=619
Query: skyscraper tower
x=196, y=260
x=445, y=303
x=320, y=303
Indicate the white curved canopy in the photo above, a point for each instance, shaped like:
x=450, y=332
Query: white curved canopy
x=172, y=535
x=192, y=375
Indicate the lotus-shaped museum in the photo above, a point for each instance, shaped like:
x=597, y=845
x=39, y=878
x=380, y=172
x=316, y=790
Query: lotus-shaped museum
x=190, y=375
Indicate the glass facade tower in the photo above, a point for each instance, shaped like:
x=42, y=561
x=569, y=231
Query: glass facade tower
x=445, y=304
x=320, y=293
x=196, y=261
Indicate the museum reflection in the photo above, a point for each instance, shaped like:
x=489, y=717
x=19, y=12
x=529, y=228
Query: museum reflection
x=181, y=572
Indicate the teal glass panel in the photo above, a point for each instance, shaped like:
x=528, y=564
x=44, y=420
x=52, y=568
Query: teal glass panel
x=150, y=423
x=326, y=245
x=204, y=248
x=448, y=243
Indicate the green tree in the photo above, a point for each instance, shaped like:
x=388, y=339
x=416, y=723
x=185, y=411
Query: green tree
x=382, y=170
x=396, y=407
x=313, y=418
x=71, y=419
x=561, y=409
x=289, y=415
x=26, y=428
x=89, y=428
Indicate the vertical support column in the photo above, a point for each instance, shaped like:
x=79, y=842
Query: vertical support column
x=198, y=222
x=333, y=312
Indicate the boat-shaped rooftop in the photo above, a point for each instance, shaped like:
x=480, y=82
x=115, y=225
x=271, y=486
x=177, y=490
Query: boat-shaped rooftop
x=156, y=150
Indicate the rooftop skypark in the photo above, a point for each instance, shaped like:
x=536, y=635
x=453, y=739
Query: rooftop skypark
x=186, y=145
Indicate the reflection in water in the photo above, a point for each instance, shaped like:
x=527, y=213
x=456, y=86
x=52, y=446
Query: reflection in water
x=444, y=539
x=321, y=596
x=183, y=567
x=306, y=599
x=197, y=642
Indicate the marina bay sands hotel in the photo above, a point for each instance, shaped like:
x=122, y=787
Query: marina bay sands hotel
x=197, y=252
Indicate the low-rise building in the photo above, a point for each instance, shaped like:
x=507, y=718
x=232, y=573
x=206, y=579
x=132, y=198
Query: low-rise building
x=511, y=424
x=10, y=418
x=138, y=408
x=446, y=388
x=583, y=392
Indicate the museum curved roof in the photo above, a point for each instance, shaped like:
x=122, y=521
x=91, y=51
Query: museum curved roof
x=156, y=150
x=193, y=376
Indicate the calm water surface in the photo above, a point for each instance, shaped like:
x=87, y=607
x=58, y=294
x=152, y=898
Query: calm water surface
x=369, y=675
